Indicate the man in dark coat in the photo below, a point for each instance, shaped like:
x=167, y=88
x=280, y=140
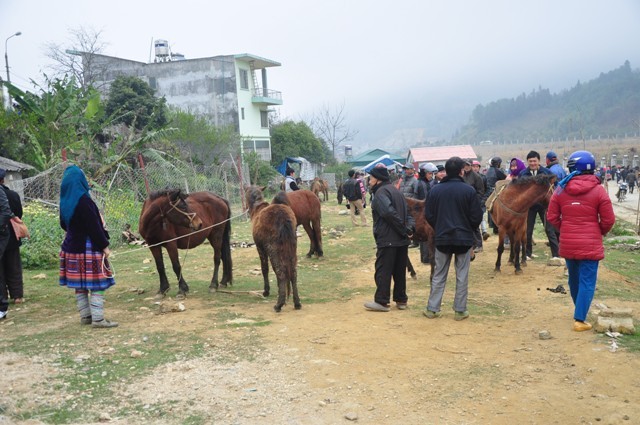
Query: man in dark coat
x=533, y=169
x=494, y=175
x=11, y=264
x=392, y=228
x=453, y=210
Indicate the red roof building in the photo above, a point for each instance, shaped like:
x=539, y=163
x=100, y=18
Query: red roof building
x=439, y=154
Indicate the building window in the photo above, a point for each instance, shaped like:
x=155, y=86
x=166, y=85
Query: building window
x=244, y=79
x=264, y=119
x=242, y=112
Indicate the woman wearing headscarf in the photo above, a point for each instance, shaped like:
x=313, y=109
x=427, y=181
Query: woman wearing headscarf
x=85, y=249
x=515, y=168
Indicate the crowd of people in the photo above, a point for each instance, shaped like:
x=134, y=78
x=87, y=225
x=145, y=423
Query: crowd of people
x=578, y=215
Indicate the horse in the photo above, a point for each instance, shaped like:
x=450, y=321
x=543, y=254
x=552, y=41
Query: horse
x=340, y=192
x=274, y=232
x=424, y=233
x=509, y=212
x=306, y=207
x=169, y=214
x=320, y=186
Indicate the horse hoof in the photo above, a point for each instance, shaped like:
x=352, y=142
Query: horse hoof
x=213, y=289
x=519, y=272
x=523, y=264
x=414, y=276
x=265, y=294
x=159, y=296
x=181, y=296
x=497, y=270
x=277, y=309
x=298, y=306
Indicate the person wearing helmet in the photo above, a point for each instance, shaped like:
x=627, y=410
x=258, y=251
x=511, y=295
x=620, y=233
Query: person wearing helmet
x=494, y=175
x=422, y=185
x=582, y=210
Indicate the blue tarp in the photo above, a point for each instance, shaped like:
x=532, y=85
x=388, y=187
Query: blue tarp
x=384, y=159
x=282, y=168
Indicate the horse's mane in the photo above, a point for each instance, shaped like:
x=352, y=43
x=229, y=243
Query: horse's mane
x=158, y=193
x=281, y=198
x=540, y=179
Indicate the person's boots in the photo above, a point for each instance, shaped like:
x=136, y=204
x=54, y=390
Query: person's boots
x=97, y=311
x=82, y=300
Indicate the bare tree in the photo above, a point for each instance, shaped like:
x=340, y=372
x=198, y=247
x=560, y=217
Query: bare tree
x=76, y=59
x=331, y=126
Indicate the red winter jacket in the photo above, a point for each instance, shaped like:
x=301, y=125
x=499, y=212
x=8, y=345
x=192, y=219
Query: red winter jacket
x=583, y=213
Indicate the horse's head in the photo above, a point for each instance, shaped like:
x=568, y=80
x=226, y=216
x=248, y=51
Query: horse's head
x=178, y=212
x=254, y=197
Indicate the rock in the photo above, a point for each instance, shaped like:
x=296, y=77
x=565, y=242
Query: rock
x=616, y=312
x=104, y=417
x=39, y=276
x=343, y=212
x=555, y=262
x=136, y=354
x=622, y=325
x=351, y=416
x=544, y=334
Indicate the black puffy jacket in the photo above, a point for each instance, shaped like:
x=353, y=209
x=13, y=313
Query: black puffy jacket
x=392, y=222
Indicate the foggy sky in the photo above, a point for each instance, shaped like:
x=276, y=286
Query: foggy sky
x=383, y=59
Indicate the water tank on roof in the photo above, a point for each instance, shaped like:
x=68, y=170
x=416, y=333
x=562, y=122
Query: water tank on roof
x=348, y=150
x=162, y=49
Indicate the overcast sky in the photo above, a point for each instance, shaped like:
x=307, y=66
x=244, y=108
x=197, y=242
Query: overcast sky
x=371, y=55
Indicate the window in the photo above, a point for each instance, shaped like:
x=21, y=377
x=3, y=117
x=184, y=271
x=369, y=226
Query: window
x=244, y=79
x=242, y=112
x=264, y=119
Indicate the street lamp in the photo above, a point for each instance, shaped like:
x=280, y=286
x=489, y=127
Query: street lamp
x=6, y=62
x=6, y=58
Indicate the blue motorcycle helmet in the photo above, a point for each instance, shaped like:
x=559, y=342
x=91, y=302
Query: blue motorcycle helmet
x=582, y=161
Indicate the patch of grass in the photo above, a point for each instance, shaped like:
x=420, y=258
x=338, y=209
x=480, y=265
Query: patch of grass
x=622, y=228
x=623, y=262
x=618, y=290
x=631, y=342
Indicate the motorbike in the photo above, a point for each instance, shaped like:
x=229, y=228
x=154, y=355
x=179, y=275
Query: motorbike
x=622, y=191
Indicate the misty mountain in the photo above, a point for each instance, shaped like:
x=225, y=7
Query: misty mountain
x=608, y=104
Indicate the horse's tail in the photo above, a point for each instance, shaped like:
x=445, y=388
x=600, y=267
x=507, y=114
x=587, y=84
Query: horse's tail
x=227, y=266
x=287, y=242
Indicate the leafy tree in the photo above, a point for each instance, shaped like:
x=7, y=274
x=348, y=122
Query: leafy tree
x=290, y=138
x=260, y=171
x=131, y=102
x=198, y=139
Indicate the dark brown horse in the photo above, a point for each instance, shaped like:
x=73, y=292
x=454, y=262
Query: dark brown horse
x=509, y=212
x=319, y=186
x=340, y=192
x=170, y=214
x=424, y=233
x=274, y=232
x=306, y=207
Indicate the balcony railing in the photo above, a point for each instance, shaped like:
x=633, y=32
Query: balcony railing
x=267, y=93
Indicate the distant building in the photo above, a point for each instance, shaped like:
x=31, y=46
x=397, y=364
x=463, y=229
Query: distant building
x=438, y=155
x=371, y=155
x=225, y=89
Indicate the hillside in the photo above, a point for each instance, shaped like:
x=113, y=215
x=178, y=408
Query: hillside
x=607, y=106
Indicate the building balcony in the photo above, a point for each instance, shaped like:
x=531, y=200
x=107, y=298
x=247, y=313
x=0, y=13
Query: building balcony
x=266, y=96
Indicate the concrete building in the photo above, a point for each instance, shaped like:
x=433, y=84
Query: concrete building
x=229, y=90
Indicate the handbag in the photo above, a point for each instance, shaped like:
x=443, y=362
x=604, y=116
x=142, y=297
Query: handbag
x=19, y=228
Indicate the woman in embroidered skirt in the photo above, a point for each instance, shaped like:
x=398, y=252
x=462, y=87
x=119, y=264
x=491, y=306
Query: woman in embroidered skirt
x=84, y=252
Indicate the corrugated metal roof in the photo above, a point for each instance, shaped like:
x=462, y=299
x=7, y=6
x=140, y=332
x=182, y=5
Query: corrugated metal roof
x=441, y=153
x=371, y=155
x=11, y=165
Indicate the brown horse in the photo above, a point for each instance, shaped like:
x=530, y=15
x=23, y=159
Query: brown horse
x=424, y=233
x=319, y=186
x=274, y=232
x=170, y=214
x=340, y=192
x=509, y=212
x=306, y=207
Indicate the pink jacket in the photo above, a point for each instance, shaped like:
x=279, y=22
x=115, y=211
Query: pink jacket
x=583, y=213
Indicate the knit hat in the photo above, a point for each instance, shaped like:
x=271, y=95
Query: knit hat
x=380, y=173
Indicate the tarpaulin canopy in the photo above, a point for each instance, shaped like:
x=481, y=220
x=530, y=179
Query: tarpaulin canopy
x=282, y=168
x=384, y=159
x=308, y=171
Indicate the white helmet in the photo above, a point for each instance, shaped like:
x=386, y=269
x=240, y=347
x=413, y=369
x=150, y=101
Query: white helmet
x=429, y=167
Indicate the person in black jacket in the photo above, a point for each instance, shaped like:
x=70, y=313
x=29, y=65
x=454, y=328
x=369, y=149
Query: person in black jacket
x=392, y=228
x=453, y=210
x=5, y=216
x=11, y=265
x=494, y=175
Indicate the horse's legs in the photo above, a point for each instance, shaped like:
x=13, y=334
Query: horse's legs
x=317, y=236
x=412, y=271
x=517, y=246
x=294, y=288
x=217, y=254
x=312, y=248
x=500, y=249
x=172, y=249
x=264, y=265
x=156, y=251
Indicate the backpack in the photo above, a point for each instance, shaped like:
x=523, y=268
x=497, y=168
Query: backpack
x=349, y=189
